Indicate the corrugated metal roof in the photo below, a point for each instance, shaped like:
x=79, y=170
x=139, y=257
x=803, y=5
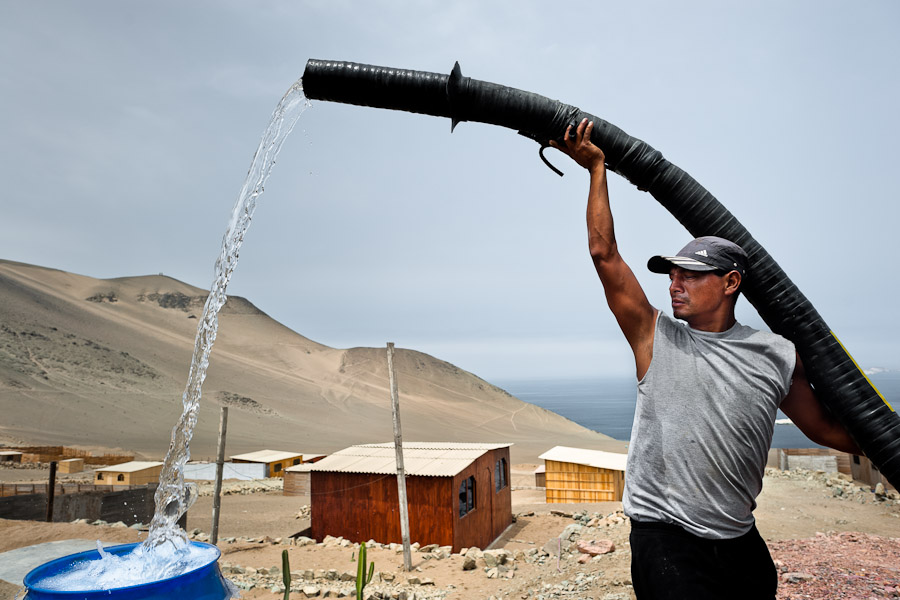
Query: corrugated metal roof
x=10, y=453
x=266, y=456
x=439, y=446
x=582, y=456
x=431, y=459
x=131, y=467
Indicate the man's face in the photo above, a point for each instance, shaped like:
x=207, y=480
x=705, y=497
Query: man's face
x=695, y=293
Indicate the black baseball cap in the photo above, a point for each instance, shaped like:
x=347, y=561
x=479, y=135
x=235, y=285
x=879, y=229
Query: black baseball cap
x=708, y=253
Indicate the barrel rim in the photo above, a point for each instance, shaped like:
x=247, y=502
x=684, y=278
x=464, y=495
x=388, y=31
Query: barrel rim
x=40, y=573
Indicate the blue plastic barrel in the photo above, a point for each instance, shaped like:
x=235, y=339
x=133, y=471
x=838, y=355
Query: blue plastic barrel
x=203, y=583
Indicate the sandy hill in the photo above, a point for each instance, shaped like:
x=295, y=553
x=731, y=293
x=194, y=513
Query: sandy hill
x=103, y=363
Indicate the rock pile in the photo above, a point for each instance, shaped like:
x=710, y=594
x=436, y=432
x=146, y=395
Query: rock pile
x=580, y=542
x=28, y=466
x=840, y=486
x=253, y=486
x=332, y=583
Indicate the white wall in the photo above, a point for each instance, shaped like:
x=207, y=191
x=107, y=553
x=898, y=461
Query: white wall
x=207, y=471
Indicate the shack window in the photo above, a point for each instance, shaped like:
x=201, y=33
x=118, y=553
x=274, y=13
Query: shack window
x=99, y=476
x=467, y=496
x=277, y=467
x=501, y=477
x=296, y=461
x=120, y=477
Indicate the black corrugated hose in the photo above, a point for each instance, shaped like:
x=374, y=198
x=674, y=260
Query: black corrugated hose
x=837, y=379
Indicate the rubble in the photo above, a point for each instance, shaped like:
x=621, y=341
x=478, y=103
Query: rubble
x=840, y=486
x=232, y=487
x=495, y=564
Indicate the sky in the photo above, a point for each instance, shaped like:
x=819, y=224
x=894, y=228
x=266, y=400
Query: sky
x=128, y=129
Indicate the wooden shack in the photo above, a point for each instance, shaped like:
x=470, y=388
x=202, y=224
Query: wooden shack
x=296, y=478
x=458, y=494
x=865, y=470
x=12, y=456
x=540, y=476
x=276, y=461
x=136, y=472
x=582, y=475
x=71, y=465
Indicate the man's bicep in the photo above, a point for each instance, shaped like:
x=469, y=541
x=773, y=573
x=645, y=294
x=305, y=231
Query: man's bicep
x=806, y=412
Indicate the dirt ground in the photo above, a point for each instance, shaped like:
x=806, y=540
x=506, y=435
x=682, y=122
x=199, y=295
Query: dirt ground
x=795, y=515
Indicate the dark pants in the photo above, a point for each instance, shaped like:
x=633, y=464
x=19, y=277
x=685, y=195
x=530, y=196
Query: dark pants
x=668, y=563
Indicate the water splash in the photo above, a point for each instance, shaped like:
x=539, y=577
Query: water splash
x=139, y=566
x=173, y=498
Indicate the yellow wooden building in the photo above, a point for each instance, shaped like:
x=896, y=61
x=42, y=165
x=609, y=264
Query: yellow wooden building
x=276, y=461
x=581, y=475
x=135, y=472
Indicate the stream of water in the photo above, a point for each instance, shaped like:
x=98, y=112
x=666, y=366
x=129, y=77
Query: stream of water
x=173, y=498
x=167, y=552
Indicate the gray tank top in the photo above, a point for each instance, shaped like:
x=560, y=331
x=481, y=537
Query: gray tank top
x=703, y=426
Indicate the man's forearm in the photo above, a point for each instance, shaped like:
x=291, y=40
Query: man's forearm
x=601, y=233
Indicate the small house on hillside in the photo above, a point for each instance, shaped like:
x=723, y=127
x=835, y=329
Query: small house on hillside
x=136, y=472
x=458, y=494
x=581, y=475
x=10, y=456
x=540, y=476
x=71, y=465
x=276, y=461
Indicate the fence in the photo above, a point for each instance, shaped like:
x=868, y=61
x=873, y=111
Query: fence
x=135, y=505
x=42, y=454
x=24, y=489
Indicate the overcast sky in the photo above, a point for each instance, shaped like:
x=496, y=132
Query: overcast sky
x=127, y=130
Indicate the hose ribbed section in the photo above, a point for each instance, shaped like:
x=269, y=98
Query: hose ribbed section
x=838, y=381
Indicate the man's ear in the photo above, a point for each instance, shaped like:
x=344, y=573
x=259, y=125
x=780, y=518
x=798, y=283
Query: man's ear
x=732, y=282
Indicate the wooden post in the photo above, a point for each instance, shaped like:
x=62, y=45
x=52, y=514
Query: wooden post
x=220, y=464
x=398, y=449
x=51, y=491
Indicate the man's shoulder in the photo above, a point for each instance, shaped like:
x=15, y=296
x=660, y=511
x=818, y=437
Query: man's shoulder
x=765, y=336
x=776, y=347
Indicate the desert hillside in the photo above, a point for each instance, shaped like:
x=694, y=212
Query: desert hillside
x=103, y=363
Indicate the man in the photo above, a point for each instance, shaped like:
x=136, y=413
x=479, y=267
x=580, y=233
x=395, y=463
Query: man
x=707, y=399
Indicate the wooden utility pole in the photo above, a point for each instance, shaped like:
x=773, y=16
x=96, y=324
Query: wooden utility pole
x=220, y=464
x=398, y=449
x=51, y=491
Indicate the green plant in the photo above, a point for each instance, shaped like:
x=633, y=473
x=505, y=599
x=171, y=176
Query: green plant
x=362, y=580
x=286, y=573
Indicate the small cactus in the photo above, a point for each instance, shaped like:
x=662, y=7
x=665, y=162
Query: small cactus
x=286, y=573
x=362, y=579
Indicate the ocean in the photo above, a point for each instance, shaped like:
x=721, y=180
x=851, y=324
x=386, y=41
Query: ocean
x=606, y=405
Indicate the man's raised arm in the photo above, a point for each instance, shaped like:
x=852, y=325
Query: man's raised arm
x=626, y=298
